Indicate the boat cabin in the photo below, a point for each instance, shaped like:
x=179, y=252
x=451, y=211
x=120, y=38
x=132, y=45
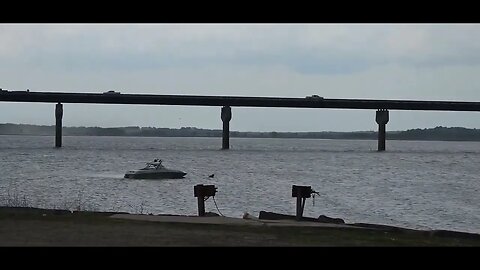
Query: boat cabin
x=155, y=165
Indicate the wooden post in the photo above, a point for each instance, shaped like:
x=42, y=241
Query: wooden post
x=301, y=193
x=201, y=206
x=201, y=191
x=299, y=208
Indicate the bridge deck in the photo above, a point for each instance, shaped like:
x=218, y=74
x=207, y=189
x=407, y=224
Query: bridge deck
x=237, y=101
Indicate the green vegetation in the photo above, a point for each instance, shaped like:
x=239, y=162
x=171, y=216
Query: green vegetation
x=436, y=134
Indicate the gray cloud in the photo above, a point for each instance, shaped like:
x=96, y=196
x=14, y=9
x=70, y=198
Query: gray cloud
x=439, y=62
x=305, y=48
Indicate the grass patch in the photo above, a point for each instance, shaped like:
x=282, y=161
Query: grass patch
x=62, y=227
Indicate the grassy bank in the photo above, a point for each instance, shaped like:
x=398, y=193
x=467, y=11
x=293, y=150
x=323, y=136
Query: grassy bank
x=40, y=227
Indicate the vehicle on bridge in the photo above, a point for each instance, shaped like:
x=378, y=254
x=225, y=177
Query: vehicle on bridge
x=315, y=97
x=111, y=92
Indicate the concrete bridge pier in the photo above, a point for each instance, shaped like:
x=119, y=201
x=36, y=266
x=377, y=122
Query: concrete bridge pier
x=58, y=124
x=226, y=116
x=382, y=120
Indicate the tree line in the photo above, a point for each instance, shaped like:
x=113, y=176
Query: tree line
x=437, y=133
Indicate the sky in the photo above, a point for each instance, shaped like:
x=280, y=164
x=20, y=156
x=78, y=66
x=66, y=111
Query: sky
x=368, y=61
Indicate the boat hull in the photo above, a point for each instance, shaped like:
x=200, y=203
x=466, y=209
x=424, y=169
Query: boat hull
x=155, y=175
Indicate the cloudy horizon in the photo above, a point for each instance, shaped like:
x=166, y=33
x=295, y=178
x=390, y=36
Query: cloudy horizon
x=370, y=61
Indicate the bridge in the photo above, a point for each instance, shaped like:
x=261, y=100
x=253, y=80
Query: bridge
x=382, y=107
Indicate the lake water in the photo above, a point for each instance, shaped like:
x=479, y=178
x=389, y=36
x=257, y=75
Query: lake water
x=415, y=184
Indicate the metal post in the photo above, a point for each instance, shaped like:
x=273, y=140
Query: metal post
x=226, y=116
x=58, y=124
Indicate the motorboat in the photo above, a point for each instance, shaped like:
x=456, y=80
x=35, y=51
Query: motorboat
x=155, y=170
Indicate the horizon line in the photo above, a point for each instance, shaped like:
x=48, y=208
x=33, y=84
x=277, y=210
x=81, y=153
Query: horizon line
x=234, y=130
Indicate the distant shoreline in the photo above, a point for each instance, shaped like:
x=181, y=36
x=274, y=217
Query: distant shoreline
x=427, y=134
x=289, y=138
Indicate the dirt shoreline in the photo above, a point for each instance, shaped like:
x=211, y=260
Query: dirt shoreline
x=44, y=227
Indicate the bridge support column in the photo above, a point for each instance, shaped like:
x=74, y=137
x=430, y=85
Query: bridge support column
x=382, y=120
x=58, y=124
x=226, y=116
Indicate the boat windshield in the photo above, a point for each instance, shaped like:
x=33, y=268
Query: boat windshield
x=153, y=166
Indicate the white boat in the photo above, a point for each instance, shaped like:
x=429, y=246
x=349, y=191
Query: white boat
x=155, y=170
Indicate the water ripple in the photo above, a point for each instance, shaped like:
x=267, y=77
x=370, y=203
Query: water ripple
x=413, y=184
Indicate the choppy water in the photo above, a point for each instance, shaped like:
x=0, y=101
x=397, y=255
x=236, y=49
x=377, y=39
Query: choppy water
x=413, y=184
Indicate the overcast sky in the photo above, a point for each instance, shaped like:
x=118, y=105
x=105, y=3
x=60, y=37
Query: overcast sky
x=372, y=61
